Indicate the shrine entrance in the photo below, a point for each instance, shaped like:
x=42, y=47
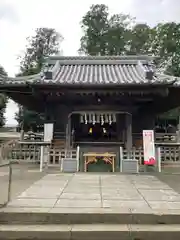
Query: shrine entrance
x=99, y=166
x=95, y=128
x=94, y=133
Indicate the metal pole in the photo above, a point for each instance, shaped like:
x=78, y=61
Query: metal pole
x=159, y=158
x=41, y=158
x=78, y=148
x=10, y=181
x=121, y=158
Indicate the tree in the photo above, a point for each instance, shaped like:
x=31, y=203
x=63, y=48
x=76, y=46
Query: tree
x=29, y=120
x=118, y=34
x=104, y=34
x=94, y=25
x=3, y=99
x=45, y=42
x=113, y=35
x=140, y=39
x=166, y=45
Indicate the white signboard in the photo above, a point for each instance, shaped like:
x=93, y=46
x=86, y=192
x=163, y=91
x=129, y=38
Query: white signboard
x=149, y=147
x=48, y=132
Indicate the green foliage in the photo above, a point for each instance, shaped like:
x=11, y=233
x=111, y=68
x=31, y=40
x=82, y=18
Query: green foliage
x=3, y=100
x=119, y=34
x=94, y=25
x=104, y=35
x=166, y=45
x=45, y=42
x=140, y=39
x=29, y=120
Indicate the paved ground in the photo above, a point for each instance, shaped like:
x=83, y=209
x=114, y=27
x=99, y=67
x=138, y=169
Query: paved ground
x=23, y=176
x=172, y=180
x=96, y=192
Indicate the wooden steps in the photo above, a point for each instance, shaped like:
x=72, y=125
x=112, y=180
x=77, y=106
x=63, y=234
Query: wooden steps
x=58, y=143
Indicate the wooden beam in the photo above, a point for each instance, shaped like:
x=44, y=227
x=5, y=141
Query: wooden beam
x=138, y=90
x=27, y=101
x=163, y=104
x=104, y=108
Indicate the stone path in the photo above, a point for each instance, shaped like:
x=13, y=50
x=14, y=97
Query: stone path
x=97, y=192
x=22, y=178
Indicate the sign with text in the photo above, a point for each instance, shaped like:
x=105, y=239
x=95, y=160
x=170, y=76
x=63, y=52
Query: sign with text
x=149, y=147
x=48, y=132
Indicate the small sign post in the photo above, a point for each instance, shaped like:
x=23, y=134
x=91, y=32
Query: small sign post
x=149, y=147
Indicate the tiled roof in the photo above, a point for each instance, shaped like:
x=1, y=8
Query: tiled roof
x=98, y=74
x=96, y=70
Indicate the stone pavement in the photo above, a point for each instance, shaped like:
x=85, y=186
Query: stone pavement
x=85, y=192
x=22, y=177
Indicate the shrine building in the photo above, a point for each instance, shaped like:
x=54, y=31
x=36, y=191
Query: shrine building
x=97, y=102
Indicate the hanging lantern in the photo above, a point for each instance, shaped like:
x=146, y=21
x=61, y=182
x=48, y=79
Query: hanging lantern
x=104, y=130
x=90, y=130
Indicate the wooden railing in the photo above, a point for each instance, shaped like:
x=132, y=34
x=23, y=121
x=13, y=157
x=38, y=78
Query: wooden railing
x=134, y=154
x=166, y=137
x=15, y=151
x=56, y=156
x=168, y=154
x=31, y=153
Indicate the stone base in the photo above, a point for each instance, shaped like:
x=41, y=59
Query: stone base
x=89, y=232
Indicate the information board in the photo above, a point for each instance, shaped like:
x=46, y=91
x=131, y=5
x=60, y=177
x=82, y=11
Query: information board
x=48, y=132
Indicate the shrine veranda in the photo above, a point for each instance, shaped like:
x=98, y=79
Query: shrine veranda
x=97, y=103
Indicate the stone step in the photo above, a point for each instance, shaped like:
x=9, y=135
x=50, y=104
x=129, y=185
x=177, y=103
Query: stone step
x=90, y=232
x=65, y=217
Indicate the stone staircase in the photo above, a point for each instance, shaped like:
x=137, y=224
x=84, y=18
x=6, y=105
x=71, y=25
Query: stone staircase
x=88, y=225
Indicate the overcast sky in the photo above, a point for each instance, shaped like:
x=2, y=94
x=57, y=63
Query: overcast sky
x=19, y=18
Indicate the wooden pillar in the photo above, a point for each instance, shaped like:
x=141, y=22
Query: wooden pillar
x=68, y=132
x=129, y=134
x=61, y=118
x=178, y=130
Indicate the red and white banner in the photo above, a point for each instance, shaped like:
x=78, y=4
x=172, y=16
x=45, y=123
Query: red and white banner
x=149, y=147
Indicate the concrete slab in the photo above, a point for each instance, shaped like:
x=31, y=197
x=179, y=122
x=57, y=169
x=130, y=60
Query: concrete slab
x=122, y=194
x=81, y=196
x=96, y=191
x=2, y=174
x=125, y=204
x=162, y=205
x=22, y=202
x=78, y=203
x=12, y=209
x=160, y=195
